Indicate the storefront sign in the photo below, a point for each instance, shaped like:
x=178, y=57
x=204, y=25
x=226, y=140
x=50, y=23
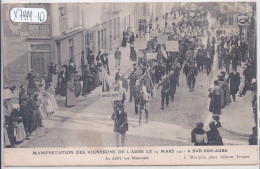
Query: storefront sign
x=140, y=43
x=243, y=20
x=172, y=46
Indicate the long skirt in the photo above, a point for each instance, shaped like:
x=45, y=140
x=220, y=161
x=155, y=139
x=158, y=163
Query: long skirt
x=85, y=87
x=34, y=121
x=70, y=99
x=39, y=117
x=6, y=138
x=20, y=134
x=63, y=87
x=100, y=77
x=132, y=53
x=44, y=103
x=54, y=102
x=50, y=108
x=227, y=96
x=124, y=42
x=96, y=80
x=90, y=85
x=54, y=80
x=215, y=104
x=242, y=84
x=222, y=98
x=77, y=88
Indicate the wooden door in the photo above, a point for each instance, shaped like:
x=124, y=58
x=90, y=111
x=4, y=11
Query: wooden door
x=40, y=62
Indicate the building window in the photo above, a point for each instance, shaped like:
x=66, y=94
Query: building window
x=144, y=10
x=105, y=37
x=71, y=48
x=62, y=11
x=114, y=28
x=231, y=19
x=102, y=39
x=98, y=40
x=118, y=27
x=129, y=21
x=124, y=23
x=225, y=8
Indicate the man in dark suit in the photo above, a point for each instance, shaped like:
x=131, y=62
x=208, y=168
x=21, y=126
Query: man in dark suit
x=165, y=91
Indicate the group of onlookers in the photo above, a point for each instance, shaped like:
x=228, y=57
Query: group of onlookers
x=24, y=116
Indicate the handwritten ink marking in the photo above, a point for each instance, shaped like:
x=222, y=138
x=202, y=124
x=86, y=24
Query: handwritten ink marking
x=35, y=15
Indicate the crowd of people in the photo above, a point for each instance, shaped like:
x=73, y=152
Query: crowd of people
x=195, y=55
x=71, y=83
x=29, y=113
x=197, y=52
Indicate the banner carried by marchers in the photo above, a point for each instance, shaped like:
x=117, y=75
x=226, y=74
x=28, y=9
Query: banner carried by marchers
x=111, y=95
x=151, y=56
x=140, y=43
x=172, y=46
x=161, y=39
x=154, y=32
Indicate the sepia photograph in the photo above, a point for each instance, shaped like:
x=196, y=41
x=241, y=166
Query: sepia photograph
x=129, y=74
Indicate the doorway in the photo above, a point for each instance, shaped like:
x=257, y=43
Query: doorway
x=40, y=62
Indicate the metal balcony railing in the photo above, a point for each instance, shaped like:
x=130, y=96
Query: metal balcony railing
x=39, y=30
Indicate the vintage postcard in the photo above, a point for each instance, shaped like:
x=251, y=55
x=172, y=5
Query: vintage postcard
x=129, y=83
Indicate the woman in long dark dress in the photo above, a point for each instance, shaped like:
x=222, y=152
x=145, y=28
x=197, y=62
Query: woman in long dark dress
x=215, y=102
x=70, y=97
x=77, y=84
x=86, y=75
x=94, y=78
x=132, y=52
x=124, y=41
x=31, y=82
x=213, y=135
x=33, y=108
x=62, y=82
x=234, y=78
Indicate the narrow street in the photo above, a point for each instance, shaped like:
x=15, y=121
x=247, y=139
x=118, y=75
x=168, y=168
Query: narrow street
x=88, y=125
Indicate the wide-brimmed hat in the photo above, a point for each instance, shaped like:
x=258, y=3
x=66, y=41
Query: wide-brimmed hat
x=7, y=94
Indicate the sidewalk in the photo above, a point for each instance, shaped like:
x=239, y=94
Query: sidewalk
x=236, y=117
